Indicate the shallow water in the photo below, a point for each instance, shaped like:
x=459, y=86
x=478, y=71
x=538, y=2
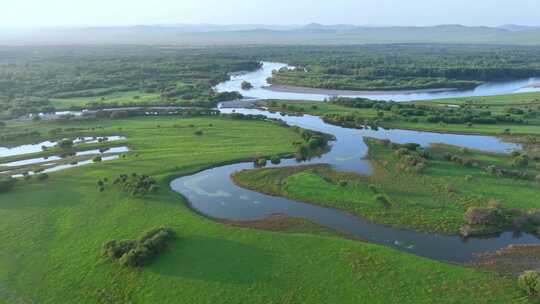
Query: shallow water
x=68, y=166
x=213, y=193
x=259, y=81
x=35, y=148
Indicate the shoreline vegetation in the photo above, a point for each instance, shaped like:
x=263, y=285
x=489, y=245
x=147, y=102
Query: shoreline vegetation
x=418, y=190
x=333, y=92
x=515, y=115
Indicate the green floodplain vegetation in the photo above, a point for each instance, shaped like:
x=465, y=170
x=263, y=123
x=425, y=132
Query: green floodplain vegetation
x=53, y=230
x=433, y=195
x=513, y=114
x=52, y=233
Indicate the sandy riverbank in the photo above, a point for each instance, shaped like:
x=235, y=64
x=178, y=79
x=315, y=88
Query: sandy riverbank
x=534, y=85
x=330, y=92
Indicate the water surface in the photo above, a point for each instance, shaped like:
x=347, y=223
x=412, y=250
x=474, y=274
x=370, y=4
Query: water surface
x=259, y=81
x=213, y=193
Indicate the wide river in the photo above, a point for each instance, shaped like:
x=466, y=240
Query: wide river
x=261, y=89
x=213, y=194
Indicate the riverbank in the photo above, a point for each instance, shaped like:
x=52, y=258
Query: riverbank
x=349, y=93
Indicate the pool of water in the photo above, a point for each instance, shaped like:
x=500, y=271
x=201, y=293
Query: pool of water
x=213, y=193
x=68, y=166
x=259, y=81
x=35, y=148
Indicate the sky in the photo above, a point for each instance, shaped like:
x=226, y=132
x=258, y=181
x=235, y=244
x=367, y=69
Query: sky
x=47, y=13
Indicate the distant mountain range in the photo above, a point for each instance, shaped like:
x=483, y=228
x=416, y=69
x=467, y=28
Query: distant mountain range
x=256, y=34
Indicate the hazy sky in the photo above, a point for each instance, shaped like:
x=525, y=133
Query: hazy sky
x=32, y=13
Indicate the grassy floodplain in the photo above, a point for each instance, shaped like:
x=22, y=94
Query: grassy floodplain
x=52, y=232
x=494, y=104
x=119, y=98
x=434, y=200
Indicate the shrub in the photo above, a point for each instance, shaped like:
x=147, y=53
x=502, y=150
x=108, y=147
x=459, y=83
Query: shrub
x=136, y=184
x=260, y=162
x=198, y=132
x=42, y=176
x=246, y=85
x=6, y=184
x=97, y=159
x=65, y=144
x=343, y=183
x=382, y=199
x=373, y=188
x=137, y=253
x=529, y=282
x=385, y=142
x=494, y=204
x=411, y=146
x=480, y=216
x=275, y=160
x=520, y=161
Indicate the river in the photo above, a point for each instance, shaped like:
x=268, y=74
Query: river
x=213, y=194
x=261, y=89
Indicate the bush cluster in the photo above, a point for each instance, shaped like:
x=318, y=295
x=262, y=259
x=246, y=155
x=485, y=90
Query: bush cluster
x=313, y=141
x=411, y=155
x=6, y=183
x=495, y=170
x=136, y=184
x=529, y=282
x=137, y=253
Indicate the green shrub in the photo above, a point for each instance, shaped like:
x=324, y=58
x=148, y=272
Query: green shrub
x=135, y=184
x=275, y=160
x=199, y=132
x=481, y=216
x=343, y=183
x=137, y=253
x=382, y=199
x=529, y=282
x=97, y=159
x=520, y=161
x=260, y=162
x=42, y=176
x=6, y=184
x=65, y=144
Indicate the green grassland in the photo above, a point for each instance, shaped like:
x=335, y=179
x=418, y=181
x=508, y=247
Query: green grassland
x=52, y=232
x=494, y=104
x=434, y=200
x=119, y=98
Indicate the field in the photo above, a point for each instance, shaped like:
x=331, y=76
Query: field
x=118, y=98
x=52, y=232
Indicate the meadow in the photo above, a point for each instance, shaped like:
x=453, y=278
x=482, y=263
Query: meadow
x=52, y=232
x=388, y=118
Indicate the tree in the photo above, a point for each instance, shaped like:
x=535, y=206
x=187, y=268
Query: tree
x=246, y=85
x=65, y=144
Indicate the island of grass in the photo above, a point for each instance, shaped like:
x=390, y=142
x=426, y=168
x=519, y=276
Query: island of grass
x=439, y=189
x=513, y=114
x=52, y=232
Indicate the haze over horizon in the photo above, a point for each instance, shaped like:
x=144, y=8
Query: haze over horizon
x=66, y=13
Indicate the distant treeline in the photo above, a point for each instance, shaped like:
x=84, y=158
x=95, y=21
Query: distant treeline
x=393, y=67
x=29, y=77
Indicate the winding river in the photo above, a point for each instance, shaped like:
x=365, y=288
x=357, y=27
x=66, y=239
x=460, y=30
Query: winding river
x=263, y=90
x=213, y=194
